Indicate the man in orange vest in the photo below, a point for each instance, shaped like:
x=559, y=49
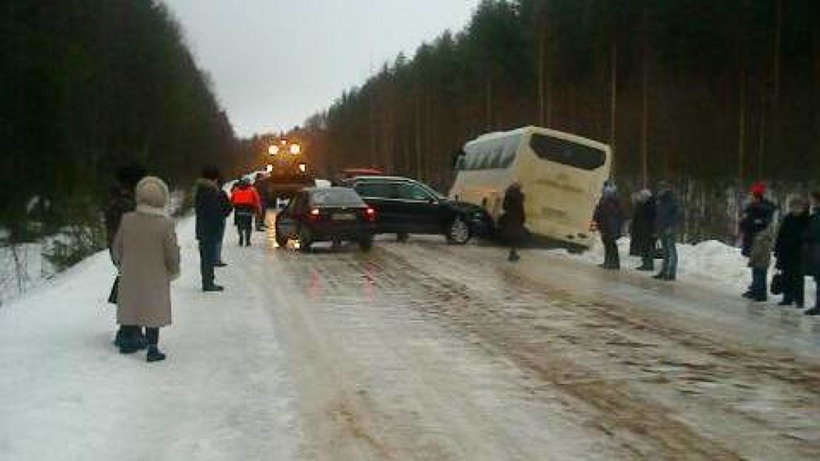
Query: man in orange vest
x=246, y=203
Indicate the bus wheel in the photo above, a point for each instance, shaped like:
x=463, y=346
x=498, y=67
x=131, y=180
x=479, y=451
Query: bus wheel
x=458, y=232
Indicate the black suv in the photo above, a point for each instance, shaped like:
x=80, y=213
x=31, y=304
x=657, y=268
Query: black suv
x=405, y=206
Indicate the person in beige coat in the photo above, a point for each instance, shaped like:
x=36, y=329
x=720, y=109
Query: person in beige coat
x=146, y=252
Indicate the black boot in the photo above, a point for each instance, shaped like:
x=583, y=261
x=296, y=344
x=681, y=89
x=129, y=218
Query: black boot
x=213, y=287
x=154, y=355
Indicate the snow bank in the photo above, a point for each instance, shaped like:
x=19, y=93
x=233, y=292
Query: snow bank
x=710, y=263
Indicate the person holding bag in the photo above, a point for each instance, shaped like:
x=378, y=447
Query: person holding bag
x=146, y=251
x=787, y=250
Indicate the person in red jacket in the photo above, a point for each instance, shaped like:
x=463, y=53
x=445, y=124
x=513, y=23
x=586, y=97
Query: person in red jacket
x=247, y=205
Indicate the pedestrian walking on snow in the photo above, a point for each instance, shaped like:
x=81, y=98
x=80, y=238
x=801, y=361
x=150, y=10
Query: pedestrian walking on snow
x=609, y=218
x=642, y=230
x=211, y=210
x=122, y=201
x=811, y=250
x=756, y=217
x=667, y=221
x=146, y=251
x=247, y=205
x=512, y=220
x=788, y=248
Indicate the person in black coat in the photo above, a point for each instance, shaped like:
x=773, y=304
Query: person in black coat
x=211, y=209
x=643, y=233
x=667, y=220
x=788, y=248
x=811, y=250
x=756, y=217
x=609, y=217
x=512, y=221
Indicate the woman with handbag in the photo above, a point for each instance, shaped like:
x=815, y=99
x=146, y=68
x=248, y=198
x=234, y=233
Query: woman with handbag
x=146, y=251
x=787, y=249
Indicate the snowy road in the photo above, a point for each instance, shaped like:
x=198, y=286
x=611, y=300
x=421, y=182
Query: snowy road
x=413, y=351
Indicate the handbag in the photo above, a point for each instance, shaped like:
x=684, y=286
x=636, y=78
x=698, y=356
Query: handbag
x=778, y=287
x=115, y=291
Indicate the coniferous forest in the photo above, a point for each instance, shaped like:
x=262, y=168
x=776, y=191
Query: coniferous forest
x=87, y=86
x=710, y=94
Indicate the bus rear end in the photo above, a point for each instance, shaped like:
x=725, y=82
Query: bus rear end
x=561, y=175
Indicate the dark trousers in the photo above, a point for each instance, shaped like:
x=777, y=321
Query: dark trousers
x=244, y=224
x=152, y=335
x=612, y=260
x=793, y=286
x=669, y=268
x=759, y=288
x=817, y=289
x=207, y=260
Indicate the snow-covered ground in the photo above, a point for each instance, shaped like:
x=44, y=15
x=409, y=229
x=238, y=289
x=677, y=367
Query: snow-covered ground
x=66, y=394
x=418, y=350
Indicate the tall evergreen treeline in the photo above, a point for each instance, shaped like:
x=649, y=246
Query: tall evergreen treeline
x=87, y=86
x=724, y=90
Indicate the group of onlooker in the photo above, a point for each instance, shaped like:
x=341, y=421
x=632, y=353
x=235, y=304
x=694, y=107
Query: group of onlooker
x=143, y=246
x=656, y=218
x=794, y=242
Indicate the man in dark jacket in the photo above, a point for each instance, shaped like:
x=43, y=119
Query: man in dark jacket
x=211, y=210
x=642, y=231
x=512, y=221
x=756, y=217
x=122, y=201
x=811, y=250
x=609, y=217
x=667, y=220
x=787, y=250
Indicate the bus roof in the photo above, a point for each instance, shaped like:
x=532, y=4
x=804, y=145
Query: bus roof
x=536, y=129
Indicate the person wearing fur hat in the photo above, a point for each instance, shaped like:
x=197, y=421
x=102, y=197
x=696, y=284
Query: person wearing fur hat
x=212, y=207
x=756, y=217
x=145, y=250
x=120, y=202
x=609, y=218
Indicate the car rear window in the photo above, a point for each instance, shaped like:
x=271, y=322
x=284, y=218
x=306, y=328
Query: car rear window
x=335, y=196
x=567, y=152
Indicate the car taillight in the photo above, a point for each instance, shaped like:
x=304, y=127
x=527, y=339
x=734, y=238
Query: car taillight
x=315, y=213
x=370, y=214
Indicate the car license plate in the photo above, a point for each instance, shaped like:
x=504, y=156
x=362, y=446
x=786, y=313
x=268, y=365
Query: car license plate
x=344, y=217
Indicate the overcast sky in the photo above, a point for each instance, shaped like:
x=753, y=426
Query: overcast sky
x=275, y=62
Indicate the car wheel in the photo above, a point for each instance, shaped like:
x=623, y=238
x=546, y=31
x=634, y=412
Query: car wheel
x=281, y=240
x=304, y=239
x=458, y=232
x=366, y=243
x=402, y=237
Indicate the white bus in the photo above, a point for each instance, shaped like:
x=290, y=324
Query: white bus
x=561, y=175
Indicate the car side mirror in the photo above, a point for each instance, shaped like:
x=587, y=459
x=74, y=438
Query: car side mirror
x=432, y=201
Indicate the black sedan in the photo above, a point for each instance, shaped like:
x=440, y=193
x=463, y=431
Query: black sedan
x=405, y=206
x=329, y=214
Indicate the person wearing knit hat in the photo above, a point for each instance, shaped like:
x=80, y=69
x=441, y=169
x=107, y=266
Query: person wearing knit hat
x=609, y=218
x=145, y=250
x=757, y=217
